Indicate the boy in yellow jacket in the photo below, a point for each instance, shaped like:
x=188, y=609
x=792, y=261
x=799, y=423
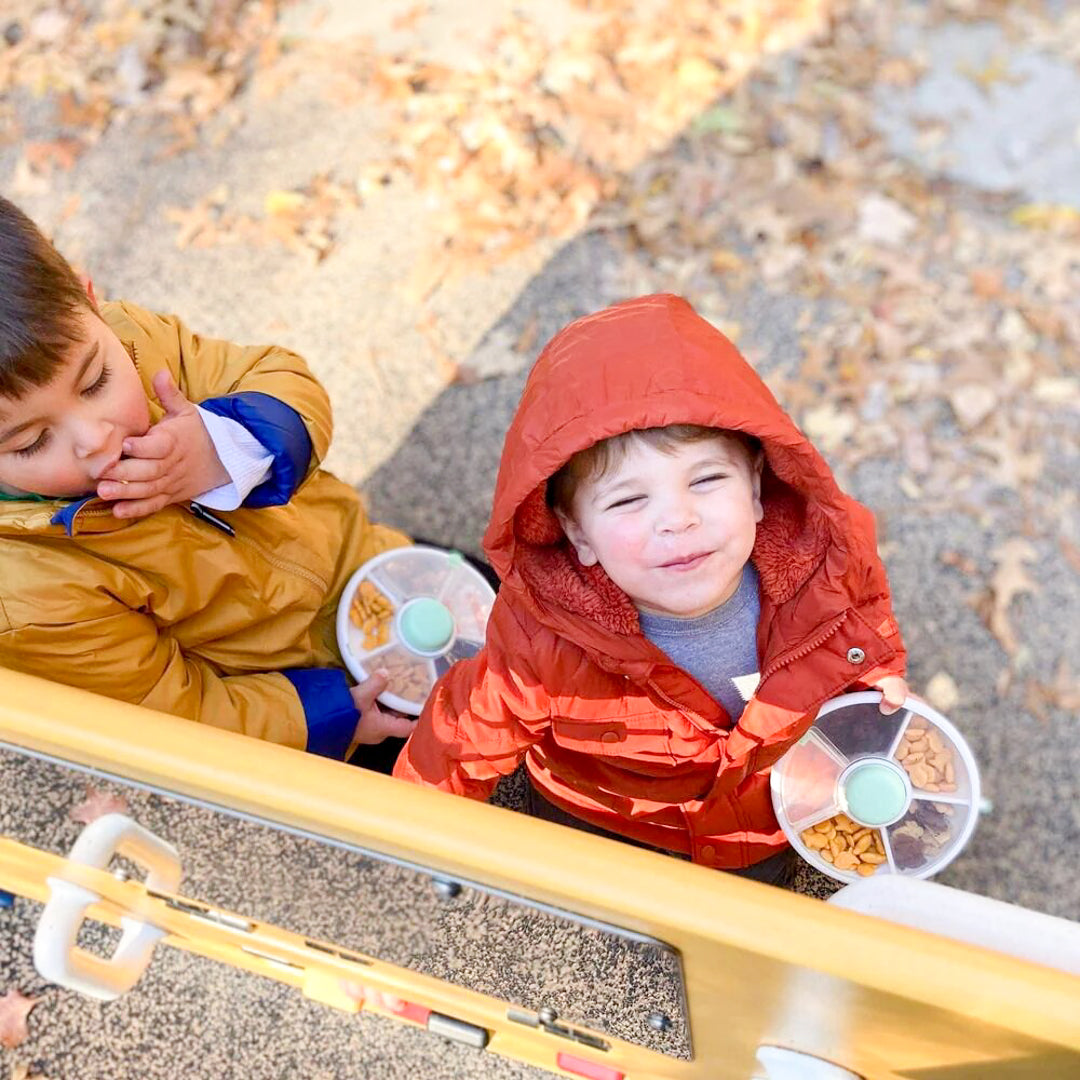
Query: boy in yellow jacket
x=185, y=557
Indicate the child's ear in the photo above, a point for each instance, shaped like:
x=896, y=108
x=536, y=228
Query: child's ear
x=755, y=479
x=578, y=540
x=88, y=285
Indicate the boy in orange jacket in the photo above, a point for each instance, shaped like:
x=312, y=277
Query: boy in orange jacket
x=683, y=586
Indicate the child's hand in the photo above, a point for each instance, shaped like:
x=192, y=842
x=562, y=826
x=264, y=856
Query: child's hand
x=376, y=724
x=174, y=462
x=894, y=690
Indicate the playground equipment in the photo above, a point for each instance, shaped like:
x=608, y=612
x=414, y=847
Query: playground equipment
x=714, y=976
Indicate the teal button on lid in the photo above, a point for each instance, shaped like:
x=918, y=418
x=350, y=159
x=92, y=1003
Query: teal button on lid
x=875, y=794
x=426, y=625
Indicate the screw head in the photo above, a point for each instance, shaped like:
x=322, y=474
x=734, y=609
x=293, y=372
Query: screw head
x=658, y=1021
x=548, y=1015
x=446, y=890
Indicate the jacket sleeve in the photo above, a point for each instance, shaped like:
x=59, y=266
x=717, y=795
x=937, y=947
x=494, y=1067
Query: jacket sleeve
x=481, y=717
x=120, y=653
x=209, y=368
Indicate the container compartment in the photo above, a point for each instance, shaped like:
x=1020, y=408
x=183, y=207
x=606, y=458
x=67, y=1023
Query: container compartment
x=860, y=728
x=807, y=785
x=932, y=761
x=371, y=618
x=410, y=677
x=926, y=835
x=414, y=571
x=849, y=848
x=468, y=598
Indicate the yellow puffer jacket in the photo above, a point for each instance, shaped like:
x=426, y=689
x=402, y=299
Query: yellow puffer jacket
x=170, y=612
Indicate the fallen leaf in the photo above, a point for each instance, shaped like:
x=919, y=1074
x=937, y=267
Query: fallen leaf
x=994, y=71
x=942, y=692
x=283, y=202
x=988, y=284
x=98, y=803
x=884, y=221
x=972, y=403
x=1009, y=580
x=43, y=156
x=1071, y=552
x=964, y=563
x=829, y=425
x=1047, y=216
x=15, y=1006
x=21, y=1071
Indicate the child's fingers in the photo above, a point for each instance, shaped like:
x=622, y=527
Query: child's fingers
x=155, y=444
x=168, y=393
x=398, y=727
x=893, y=693
x=111, y=490
x=139, y=508
x=134, y=470
x=365, y=693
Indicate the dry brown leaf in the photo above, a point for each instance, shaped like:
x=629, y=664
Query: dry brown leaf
x=21, y=1071
x=942, y=692
x=1071, y=552
x=972, y=403
x=1009, y=580
x=15, y=1007
x=98, y=803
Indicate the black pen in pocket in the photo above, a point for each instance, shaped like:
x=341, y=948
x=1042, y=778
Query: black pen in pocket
x=211, y=519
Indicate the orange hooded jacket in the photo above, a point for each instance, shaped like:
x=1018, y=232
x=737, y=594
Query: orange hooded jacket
x=609, y=728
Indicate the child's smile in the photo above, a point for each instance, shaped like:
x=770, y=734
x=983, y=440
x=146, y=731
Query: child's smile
x=672, y=529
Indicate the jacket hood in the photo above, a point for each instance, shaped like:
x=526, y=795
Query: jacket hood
x=650, y=362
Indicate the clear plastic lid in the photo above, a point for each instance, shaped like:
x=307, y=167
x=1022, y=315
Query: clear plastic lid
x=864, y=793
x=413, y=611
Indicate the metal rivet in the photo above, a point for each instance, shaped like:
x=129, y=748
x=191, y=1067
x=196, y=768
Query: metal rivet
x=446, y=890
x=659, y=1022
x=548, y=1015
x=855, y=656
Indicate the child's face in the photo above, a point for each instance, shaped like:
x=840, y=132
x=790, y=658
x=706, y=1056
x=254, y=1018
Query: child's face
x=673, y=530
x=57, y=440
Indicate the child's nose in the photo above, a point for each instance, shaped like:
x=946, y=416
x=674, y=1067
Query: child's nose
x=91, y=436
x=678, y=515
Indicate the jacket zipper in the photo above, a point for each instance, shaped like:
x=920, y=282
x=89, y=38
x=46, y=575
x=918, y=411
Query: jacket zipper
x=802, y=650
x=283, y=564
x=783, y=661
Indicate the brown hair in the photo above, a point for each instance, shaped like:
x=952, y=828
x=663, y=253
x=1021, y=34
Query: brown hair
x=40, y=298
x=598, y=459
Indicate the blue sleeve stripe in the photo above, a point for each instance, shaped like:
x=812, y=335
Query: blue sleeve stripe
x=279, y=428
x=328, y=709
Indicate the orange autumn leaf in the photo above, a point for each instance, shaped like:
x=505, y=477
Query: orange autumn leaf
x=98, y=803
x=15, y=1006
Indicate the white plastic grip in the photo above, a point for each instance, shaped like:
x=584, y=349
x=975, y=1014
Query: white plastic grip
x=57, y=957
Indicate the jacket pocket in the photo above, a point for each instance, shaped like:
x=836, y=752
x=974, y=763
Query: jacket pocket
x=830, y=661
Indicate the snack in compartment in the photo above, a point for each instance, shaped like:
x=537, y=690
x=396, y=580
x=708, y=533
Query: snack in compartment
x=409, y=677
x=923, y=832
x=846, y=844
x=927, y=757
x=372, y=613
